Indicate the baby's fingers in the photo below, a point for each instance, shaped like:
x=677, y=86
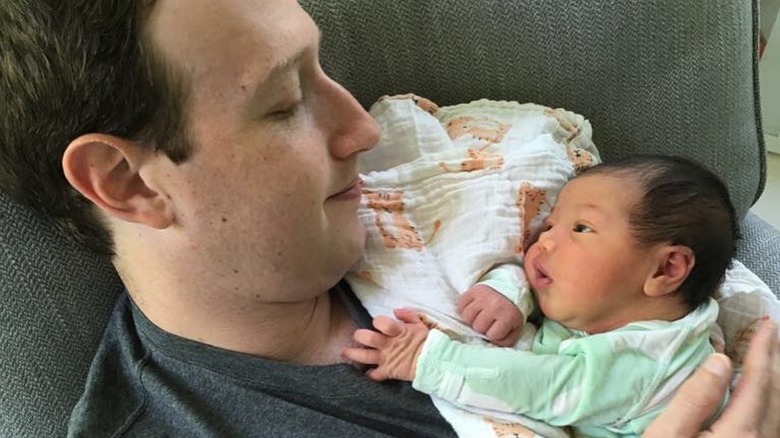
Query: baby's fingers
x=465, y=300
x=509, y=340
x=378, y=374
x=366, y=356
x=498, y=330
x=388, y=326
x=408, y=316
x=370, y=338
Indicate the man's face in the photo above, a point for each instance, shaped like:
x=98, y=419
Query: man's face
x=269, y=197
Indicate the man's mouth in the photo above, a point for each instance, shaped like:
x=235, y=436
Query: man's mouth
x=353, y=191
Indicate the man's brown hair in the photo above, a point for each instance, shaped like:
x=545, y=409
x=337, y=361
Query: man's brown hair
x=69, y=68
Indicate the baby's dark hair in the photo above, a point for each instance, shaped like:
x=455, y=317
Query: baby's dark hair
x=684, y=203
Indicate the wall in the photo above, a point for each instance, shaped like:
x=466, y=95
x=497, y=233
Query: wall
x=769, y=70
x=769, y=12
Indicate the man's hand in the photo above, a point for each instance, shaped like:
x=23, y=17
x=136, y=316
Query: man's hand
x=393, y=349
x=754, y=409
x=491, y=314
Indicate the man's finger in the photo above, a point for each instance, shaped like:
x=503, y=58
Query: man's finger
x=695, y=402
x=771, y=424
x=749, y=401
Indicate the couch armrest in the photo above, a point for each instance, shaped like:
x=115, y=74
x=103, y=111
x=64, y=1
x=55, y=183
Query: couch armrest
x=759, y=250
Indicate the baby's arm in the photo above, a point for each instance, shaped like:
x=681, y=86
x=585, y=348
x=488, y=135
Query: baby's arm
x=393, y=348
x=501, y=379
x=498, y=305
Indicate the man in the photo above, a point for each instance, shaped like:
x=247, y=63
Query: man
x=218, y=161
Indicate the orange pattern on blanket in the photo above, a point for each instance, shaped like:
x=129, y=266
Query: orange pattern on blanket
x=510, y=430
x=366, y=275
x=529, y=204
x=571, y=129
x=488, y=130
x=403, y=234
x=581, y=159
x=479, y=159
x=426, y=105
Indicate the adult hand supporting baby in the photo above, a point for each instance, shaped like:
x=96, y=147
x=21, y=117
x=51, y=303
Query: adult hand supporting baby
x=491, y=314
x=393, y=349
x=754, y=409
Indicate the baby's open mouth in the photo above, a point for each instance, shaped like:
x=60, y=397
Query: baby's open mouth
x=542, y=278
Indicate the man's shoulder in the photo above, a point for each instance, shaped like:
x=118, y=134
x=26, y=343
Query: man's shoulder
x=113, y=394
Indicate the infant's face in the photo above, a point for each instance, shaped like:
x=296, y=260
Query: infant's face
x=586, y=269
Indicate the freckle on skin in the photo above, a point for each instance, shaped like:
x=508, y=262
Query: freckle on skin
x=235, y=271
x=224, y=219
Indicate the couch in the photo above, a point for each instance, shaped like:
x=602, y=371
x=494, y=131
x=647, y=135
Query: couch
x=657, y=76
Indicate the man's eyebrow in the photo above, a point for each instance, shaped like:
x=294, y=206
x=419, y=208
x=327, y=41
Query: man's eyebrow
x=286, y=63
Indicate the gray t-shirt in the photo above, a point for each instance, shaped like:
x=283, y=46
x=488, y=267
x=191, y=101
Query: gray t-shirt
x=145, y=382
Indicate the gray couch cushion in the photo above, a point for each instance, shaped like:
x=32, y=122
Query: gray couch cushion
x=54, y=301
x=664, y=76
x=759, y=250
x=657, y=75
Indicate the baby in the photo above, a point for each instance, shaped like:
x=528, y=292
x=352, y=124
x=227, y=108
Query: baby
x=623, y=273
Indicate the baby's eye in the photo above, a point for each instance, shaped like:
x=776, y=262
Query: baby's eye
x=580, y=228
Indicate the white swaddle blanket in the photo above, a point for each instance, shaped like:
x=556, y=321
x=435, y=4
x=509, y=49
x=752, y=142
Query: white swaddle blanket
x=450, y=192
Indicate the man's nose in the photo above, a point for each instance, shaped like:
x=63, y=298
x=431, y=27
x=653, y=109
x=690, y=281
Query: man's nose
x=353, y=130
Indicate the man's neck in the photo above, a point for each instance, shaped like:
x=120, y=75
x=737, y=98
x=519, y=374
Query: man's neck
x=310, y=332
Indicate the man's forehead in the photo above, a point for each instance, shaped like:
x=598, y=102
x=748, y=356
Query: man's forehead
x=206, y=36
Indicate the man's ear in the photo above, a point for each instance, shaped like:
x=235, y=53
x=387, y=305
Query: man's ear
x=674, y=263
x=107, y=170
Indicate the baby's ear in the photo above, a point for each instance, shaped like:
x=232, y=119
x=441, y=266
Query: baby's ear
x=675, y=262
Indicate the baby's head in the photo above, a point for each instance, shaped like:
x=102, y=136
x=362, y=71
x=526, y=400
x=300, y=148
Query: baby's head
x=646, y=237
x=685, y=204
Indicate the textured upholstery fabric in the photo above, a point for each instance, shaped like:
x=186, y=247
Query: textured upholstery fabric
x=54, y=302
x=759, y=250
x=655, y=76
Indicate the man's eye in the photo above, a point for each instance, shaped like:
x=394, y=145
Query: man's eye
x=580, y=228
x=286, y=113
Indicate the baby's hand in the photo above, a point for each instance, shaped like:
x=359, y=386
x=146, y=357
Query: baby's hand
x=393, y=349
x=491, y=314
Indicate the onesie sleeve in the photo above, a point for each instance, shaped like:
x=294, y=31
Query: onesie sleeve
x=509, y=280
x=577, y=387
